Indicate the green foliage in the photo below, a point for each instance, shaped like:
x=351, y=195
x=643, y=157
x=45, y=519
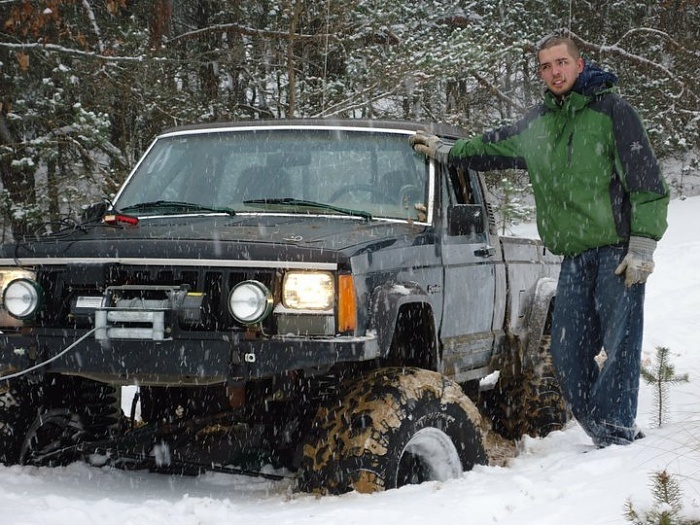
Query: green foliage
x=667, y=506
x=666, y=491
x=661, y=377
x=511, y=203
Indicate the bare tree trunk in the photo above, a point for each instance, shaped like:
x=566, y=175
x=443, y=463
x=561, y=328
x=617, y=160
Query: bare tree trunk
x=160, y=22
x=53, y=167
x=291, y=70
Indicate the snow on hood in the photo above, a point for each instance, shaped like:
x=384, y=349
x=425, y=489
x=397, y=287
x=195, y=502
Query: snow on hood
x=212, y=236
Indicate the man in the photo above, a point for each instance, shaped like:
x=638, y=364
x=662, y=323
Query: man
x=601, y=203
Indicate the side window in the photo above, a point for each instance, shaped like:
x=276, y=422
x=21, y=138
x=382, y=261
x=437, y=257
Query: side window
x=461, y=186
x=466, y=210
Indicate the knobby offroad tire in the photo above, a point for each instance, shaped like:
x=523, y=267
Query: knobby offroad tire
x=49, y=435
x=76, y=410
x=38, y=419
x=529, y=402
x=389, y=428
x=19, y=404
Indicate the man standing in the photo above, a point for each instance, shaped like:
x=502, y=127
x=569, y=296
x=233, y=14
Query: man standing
x=601, y=203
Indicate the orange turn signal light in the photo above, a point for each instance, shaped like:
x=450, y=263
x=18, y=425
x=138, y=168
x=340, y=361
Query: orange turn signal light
x=347, y=304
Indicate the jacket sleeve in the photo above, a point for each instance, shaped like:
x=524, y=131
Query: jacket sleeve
x=640, y=173
x=496, y=150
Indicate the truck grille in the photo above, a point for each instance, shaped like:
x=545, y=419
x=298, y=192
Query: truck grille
x=64, y=285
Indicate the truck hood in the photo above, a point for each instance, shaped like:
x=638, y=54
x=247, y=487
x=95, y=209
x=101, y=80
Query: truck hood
x=239, y=237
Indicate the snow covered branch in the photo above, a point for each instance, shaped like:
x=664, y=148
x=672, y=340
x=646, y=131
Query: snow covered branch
x=249, y=31
x=70, y=51
x=640, y=60
x=663, y=34
x=93, y=24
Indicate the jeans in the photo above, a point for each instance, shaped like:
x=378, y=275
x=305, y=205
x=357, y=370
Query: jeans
x=594, y=311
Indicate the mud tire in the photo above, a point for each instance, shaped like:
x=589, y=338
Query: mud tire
x=389, y=428
x=49, y=435
x=19, y=404
x=54, y=414
x=527, y=403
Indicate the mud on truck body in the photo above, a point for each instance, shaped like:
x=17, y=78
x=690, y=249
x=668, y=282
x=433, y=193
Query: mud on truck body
x=311, y=295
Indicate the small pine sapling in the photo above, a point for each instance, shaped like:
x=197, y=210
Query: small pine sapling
x=661, y=377
x=667, y=506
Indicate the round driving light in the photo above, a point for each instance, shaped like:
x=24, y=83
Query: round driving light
x=250, y=302
x=22, y=298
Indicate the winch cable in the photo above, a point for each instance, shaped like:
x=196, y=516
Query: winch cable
x=44, y=363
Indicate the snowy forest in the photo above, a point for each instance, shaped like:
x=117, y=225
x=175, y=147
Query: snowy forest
x=86, y=84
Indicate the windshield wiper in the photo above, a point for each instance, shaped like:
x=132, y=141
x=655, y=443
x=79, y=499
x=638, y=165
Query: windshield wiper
x=175, y=206
x=288, y=201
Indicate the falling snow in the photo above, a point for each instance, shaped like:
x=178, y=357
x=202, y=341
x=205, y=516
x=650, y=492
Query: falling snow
x=558, y=479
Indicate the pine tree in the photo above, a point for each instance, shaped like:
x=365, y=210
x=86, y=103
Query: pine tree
x=661, y=377
x=512, y=206
x=667, y=506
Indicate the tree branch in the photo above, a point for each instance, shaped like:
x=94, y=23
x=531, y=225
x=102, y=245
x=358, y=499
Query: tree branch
x=350, y=104
x=93, y=24
x=620, y=52
x=661, y=34
x=69, y=51
x=497, y=92
x=242, y=30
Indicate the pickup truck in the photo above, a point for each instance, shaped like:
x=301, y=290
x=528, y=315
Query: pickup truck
x=311, y=295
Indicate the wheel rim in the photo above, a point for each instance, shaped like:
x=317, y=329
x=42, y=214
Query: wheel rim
x=429, y=455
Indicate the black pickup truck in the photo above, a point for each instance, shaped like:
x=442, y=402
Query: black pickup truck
x=308, y=294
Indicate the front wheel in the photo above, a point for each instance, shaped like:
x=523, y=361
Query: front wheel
x=389, y=428
x=51, y=437
x=19, y=403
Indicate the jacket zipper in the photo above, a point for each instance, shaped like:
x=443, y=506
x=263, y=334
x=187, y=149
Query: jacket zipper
x=570, y=148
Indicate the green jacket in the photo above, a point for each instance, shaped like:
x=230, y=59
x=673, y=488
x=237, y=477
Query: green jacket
x=594, y=175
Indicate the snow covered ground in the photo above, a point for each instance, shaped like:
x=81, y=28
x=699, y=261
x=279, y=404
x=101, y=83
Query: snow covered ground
x=559, y=479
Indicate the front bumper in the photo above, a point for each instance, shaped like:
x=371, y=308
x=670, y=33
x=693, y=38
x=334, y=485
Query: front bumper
x=195, y=358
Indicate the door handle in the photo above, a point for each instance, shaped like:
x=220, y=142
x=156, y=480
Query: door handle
x=485, y=251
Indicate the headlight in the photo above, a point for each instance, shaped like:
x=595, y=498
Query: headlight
x=250, y=302
x=22, y=297
x=308, y=291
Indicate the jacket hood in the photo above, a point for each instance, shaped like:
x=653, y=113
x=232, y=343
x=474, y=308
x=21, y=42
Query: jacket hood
x=593, y=80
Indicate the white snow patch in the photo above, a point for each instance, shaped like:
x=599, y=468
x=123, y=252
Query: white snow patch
x=555, y=480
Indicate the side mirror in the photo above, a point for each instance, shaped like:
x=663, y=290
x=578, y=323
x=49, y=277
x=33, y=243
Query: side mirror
x=94, y=212
x=465, y=219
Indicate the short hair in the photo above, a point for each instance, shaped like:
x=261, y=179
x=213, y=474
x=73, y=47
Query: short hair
x=552, y=41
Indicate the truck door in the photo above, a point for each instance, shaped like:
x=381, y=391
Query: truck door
x=469, y=262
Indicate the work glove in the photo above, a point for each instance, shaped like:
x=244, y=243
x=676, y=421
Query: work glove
x=430, y=146
x=639, y=262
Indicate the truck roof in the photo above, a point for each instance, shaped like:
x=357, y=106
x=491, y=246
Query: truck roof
x=442, y=130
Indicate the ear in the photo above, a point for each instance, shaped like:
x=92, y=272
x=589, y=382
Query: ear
x=580, y=64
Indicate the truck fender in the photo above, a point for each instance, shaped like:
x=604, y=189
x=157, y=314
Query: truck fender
x=387, y=301
x=535, y=319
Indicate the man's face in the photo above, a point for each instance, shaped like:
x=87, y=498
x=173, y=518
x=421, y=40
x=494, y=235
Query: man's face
x=559, y=69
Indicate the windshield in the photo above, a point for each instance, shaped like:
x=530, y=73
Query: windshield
x=363, y=173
